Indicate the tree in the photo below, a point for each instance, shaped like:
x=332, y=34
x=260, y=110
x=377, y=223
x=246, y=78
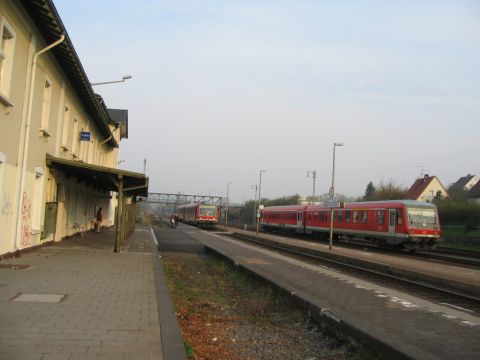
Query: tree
x=370, y=192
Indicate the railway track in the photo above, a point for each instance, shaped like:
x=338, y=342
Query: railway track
x=432, y=291
x=452, y=256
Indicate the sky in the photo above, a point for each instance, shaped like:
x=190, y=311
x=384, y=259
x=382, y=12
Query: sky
x=223, y=89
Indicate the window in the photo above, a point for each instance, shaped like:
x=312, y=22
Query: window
x=75, y=137
x=47, y=96
x=399, y=217
x=340, y=216
x=37, y=199
x=381, y=217
x=2, y=162
x=7, y=46
x=347, y=216
x=364, y=216
x=355, y=217
x=66, y=118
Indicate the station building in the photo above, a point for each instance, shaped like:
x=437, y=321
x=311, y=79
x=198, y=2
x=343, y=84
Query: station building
x=59, y=144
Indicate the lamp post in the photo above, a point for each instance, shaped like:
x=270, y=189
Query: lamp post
x=228, y=204
x=333, y=191
x=314, y=176
x=259, y=198
x=126, y=77
x=254, y=202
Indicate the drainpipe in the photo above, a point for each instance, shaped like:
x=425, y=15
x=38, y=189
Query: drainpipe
x=26, y=139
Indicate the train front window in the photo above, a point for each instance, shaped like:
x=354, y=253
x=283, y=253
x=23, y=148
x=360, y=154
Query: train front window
x=422, y=217
x=208, y=211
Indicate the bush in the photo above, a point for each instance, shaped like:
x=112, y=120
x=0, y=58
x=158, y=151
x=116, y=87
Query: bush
x=453, y=212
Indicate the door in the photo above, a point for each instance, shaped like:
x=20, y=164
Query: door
x=50, y=222
x=300, y=222
x=391, y=222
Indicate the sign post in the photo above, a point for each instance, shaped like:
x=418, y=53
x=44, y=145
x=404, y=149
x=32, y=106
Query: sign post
x=331, y=203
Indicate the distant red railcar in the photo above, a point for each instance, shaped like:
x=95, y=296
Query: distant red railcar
x=201, y=215
x=402, y=223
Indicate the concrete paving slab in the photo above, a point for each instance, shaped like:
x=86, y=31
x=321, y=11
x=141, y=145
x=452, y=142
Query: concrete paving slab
x=110, y=306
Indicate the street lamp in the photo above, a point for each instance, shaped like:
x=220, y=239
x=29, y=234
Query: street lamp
x=314, y=176
x=259, y=198
x=332, y=191
x=254, y=202
x=228, y=204
x=126, y=77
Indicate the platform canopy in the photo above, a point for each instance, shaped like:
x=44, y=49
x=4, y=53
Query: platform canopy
x=102, y=178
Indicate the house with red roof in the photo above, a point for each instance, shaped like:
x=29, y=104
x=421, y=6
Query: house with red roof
x=426, y=189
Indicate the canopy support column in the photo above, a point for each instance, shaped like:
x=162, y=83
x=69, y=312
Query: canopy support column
x=119, y=227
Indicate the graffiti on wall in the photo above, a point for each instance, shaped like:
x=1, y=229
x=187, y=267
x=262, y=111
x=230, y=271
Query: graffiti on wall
x=26, y=221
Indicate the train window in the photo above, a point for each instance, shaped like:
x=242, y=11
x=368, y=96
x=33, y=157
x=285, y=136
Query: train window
x=300, y=216
x=347, y=216
x=364, y=217
x=399, y=217
x=355, y=216
x=380, y=217
x=340, y=216
x=334, y=216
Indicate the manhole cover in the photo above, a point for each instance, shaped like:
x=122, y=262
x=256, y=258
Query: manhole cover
x=13, y=266
x=44, y=298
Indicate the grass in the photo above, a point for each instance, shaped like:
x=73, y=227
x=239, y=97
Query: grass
x=226, y=314
x=460, y=237
x=188, y=349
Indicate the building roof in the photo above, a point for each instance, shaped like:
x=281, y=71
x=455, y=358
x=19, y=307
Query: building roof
x=460, y=183
x=474, y=192
x=119, y=116
x=45, y=17
x=419, y=187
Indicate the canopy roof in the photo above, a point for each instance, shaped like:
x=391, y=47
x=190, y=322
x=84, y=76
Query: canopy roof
x=102, y=178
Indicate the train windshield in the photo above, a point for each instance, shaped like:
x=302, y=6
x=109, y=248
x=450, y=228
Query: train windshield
x=208, y=210
x=422, y=217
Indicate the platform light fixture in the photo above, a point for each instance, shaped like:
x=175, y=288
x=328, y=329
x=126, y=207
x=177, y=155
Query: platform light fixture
x=228, y=205
x=333, y=190
x=254, y=202
x=125, y=77
x=259, y=198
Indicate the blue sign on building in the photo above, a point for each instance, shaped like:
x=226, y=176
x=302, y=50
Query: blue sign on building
x=84, y=135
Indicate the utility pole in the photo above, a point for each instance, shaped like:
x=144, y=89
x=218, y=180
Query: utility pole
x=314, y=176
x=259, y=199
x=145, y=166
x=228, y=204
x=254, y=202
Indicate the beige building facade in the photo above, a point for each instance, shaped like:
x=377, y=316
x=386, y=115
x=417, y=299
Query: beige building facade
x=48, y=109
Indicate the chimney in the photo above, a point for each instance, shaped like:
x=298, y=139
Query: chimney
x=426, y=176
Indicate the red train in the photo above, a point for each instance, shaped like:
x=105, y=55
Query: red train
x=201, y=215
x=398, y=223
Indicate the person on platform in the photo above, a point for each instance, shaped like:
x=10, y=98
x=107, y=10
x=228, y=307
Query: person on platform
x=99, y=219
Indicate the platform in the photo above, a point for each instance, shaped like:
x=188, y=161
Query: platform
x=396, y=324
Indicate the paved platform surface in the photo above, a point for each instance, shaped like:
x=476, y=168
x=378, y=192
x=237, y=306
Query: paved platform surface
x=398, y=324
x=109, y=302
x=435, y=268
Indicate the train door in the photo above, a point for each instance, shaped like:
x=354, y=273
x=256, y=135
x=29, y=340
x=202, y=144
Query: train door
x=299, y=221
x=391, y=222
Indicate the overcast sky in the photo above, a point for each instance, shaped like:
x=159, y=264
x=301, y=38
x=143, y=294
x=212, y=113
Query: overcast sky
x=223, y=89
